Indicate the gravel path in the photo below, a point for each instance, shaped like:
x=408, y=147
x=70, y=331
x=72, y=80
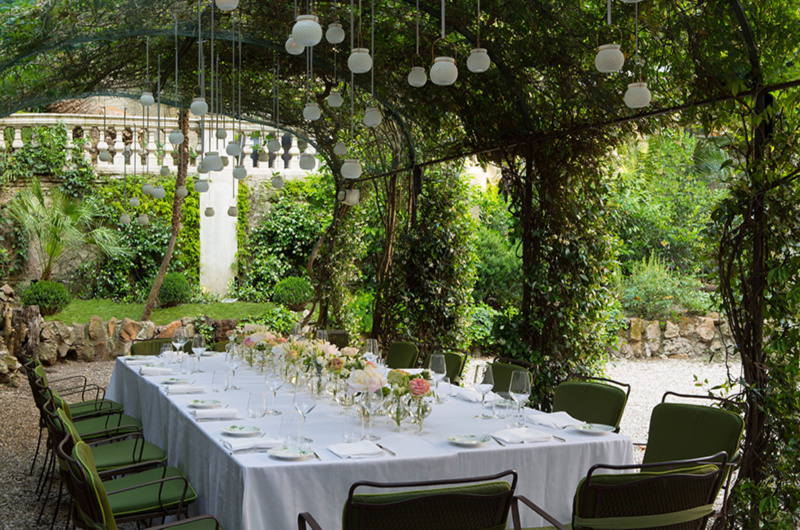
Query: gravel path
x=19, y=508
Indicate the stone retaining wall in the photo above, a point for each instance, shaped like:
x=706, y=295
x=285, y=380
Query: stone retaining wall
x=688, y=337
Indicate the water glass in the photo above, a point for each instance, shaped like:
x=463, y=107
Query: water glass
x=371, y=350
x=274, y=383
x=352, y=431
x=483, y=383
x=438, y=367
x=443, y=390
x=503, y=408
x=198, y=347
x=187, y=364
x=322, y=335
x=290, y=431
x=219, y=381
x=257, y=405
x=520, y=391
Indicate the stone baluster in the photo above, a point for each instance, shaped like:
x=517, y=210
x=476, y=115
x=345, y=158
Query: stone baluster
x=152, y=160
x=17, y=143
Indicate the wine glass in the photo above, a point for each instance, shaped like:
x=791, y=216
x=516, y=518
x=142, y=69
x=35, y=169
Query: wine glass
x=178, y=339
x=520, y=391
x=322, y=335
x=304, y=403
x=371, y=350
x=233, y=362
x=438, y=368
x=198, y=347
x=274, y=383
x=483, y=382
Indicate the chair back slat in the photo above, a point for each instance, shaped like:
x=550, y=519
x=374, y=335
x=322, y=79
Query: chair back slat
x=402, y=355
x=591, y=401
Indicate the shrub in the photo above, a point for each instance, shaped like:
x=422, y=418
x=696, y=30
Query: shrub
x=479, y=332
x=174, y=291
x=654, y=291
x=293, y=292
x=278, y=319
x=51, y=297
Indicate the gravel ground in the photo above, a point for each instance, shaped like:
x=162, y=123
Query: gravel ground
x=19, y=508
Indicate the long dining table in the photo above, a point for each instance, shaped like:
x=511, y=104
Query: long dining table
x=256, y=490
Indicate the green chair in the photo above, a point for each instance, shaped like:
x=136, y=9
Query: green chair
x=137, y=497
x=641, y=496
x=680, y=431
x=153, y=346
x=592, y=399
x=502, y=369
x=339, y=338
x=480, y=503
x=220, y=346
x=402, y=355
x=454, y=364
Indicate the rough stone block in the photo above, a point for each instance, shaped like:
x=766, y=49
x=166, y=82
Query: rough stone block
x=678, y=346
x=147, y=331
x=637, y=349
x=169, y=330
x=705, y=330
x=637, y=329
x=672, y=331
x=129, y=330
x=686, y=325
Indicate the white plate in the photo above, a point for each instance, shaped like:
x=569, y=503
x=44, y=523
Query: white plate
x=176, y=381
x=204, y=403
x=209, y=353
x=594, y=428
x=469, y=440
x=241, y=430
x=290, y=453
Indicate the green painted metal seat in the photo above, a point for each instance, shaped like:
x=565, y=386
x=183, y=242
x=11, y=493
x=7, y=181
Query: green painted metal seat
x=402, y=355
x=593, y=400
x=220, y=346
x=454, y=364
x=153, y=346
x=480, y=503
x=641, y=496
x=502, y=370
x=338, y=337
x=141, y=496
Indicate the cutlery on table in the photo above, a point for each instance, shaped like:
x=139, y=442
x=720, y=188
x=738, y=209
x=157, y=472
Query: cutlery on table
x=389, y=451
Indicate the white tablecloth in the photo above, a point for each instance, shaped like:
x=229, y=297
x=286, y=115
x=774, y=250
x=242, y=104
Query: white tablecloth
x=256, y=491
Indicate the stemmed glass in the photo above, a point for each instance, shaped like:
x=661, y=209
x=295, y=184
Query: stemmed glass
x=304, y=403
x=483, y=382
x=371, y=350
x=233, y=362
x=438, y=368
x=520, y=391
x=322, y=335
x=371, y=402
x=274, y=383
x=198, y=347
x=179, y=339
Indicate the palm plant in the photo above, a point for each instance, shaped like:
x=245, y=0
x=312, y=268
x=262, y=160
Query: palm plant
x=57, y=224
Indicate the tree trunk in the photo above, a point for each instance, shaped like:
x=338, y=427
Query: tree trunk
x=528, y=243
x=177, y=203
x=384, y=268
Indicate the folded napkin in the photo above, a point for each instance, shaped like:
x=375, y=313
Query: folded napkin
x=250, y=444
x=155, y=370
x=138, y=362
x=472, y=396
x=362, y=449
x=557, y=420
x=185, y=389
x=521, y=435
x=216, y=414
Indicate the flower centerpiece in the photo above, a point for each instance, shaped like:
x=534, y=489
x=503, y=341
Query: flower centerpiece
x=419, y=388
x=396, y=392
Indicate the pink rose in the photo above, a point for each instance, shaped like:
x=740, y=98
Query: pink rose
x=248, y=341
x=419, y=387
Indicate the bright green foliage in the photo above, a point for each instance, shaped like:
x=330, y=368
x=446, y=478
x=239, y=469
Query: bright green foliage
x=499, y=270
x=204, y=327
x=667, y=186
x=293, y=292
x=435, y=266
x=654, y=291
x=50, y=296
x=59, y=225
x=175, y=290
x=479, y=332
x=278, y=319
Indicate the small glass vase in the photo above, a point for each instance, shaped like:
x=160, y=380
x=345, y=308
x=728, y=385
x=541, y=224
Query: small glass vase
x=421, y=409
x=397, y=410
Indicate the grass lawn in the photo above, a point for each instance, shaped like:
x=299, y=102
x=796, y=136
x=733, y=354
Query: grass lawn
x=81, y=311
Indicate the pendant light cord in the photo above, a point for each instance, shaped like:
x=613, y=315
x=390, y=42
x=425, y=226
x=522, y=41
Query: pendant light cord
x=443, y=19
x=158, y=109
x=608, y=16
x=175, y=17
x=417, y=23
x=124, y=162
x=372, y=49
x=479, y=22
x=147, y=68
x=201, y=62
x=240, y=88
x=352, y=79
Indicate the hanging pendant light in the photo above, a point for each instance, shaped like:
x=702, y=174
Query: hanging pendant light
x=638, y=95
x=351, y=169
x=340, y=149
x=147, y=188
x=311, y=111
x=293, y=47
x=201, y=186
x=478, y=61
x=278, y=182
x=308, y=161
x=609, y=58
x=176, y=137
x=239, y=173
x=372, y=117
x=335, y=99
x=143, y=220
x=360, y=61
x=147, y=99
x=417, y=77
x=221, y=133
x=159, y=192
x=209, y=212
x=164, y=171
x=125, y=219
x=233, y=148
x=273, y=145
x=233, y=211
x=349, y=197
x=307, y=31
x=227, y=5
x=181, y=192
x=201, y=168
x=212, y=161
x=444, y=71
x=199, y=107
x=134, y=202
x=335, y=33
x=263, y=156
x=104, y=155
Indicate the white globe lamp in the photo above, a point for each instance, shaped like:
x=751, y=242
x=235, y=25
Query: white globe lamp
x=334, y=99
x=147, y=99
x=233, y=211
x=340, y=149
x=307, y=161
x=372, y=117
x=159, y=192
x=609, y=58
x=104, y=156
x=311, y=112
x=176, y=137
x=199, y=107
x=147, y=188
x=360, y=61
x=201, y=186
x=209, y=212
x=125, y=219
x=417, y=76
x=239, y=173
x=293, y=47
x=221, y=133
x=351, y=169
x=335, y=33
x=233, y=148
x=212, y=161
x=227, y=5
x=164, y=171
x=273, y=145
x=143, y=220
x=278, y=182
x=444, y=71
x=181, y=192
x=134, y=202
x=478, y=61
x=306, y=30
x=637, y=96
